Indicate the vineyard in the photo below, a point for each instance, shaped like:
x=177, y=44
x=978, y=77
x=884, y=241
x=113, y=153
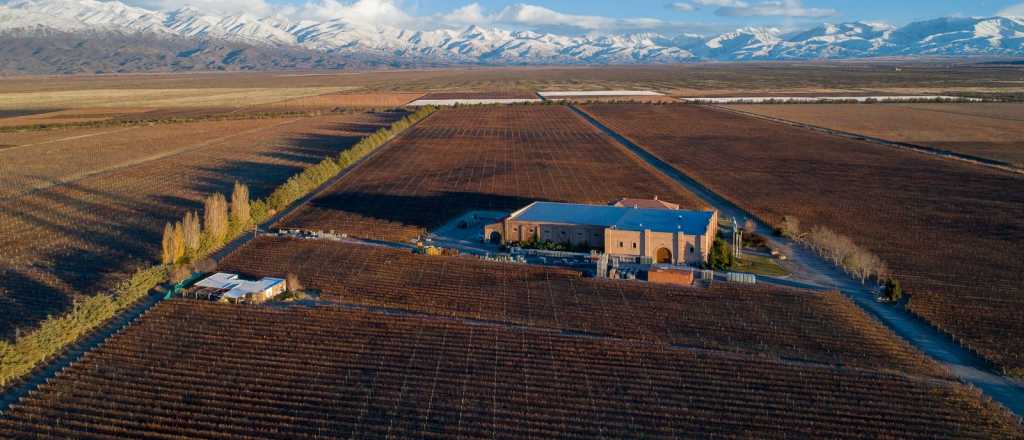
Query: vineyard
x=200, y=370
x=792, y=324
x=992, y=131
x=482, y=158
x=76, y=213
x=950, y=231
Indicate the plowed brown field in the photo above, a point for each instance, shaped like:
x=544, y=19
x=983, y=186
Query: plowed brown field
x=820, y=328
x=489, y=158
x=991, y=131
x=198, y=370
x=79, y=212
x=951, y=231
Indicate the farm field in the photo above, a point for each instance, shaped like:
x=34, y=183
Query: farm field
x=120, y=97
x=481, y=158
x=704, y=79
x=791, y=324
x=78, y=214
x=69, y=116
x=192, y=369
x=346, y=100
x=991, y=131
x=950, y=231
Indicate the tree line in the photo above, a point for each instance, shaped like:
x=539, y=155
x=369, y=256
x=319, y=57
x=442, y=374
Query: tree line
x=838, y=249
x=187, y=239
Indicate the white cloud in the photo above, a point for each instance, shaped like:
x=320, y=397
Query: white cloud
x=721, y=3
x=369, y=12
x=532, y=16
x=539, y=16
x=472, y=13
x=782, y=8
x=1013, y=11
x=683, y=7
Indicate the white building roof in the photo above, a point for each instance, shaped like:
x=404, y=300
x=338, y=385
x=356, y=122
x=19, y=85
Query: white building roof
x=237, y=287
x=219, y=280
x=246, y=287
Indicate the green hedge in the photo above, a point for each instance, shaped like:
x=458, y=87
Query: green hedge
x=52, y=335
x=55, y=333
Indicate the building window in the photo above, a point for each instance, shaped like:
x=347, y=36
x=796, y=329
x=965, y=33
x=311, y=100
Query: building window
x=563, y=232
x=621, y=245
x=692, y=250
x=634, y=245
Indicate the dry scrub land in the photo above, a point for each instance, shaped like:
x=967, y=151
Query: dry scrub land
x=796, y=325
x=951, y=231
x=991, y=131
x=192, y=369
x=481, y=158
x=79, y=209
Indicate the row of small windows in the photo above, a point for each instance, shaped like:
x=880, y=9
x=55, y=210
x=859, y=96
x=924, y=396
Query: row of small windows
x=597, y=235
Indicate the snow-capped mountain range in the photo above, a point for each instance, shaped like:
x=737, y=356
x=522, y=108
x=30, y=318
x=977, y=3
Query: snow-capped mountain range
x=36, y=19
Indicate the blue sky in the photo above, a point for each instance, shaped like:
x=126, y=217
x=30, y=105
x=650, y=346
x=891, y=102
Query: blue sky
x=608, y=16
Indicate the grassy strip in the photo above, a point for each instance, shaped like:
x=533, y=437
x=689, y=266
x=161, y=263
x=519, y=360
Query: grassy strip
x=18, y=359
x=56, y=333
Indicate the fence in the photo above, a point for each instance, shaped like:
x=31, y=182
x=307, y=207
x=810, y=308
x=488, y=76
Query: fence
x=745, y=278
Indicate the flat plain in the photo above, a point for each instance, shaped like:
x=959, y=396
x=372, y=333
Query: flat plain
x=485, y=158
x=706, y=79
x=398, y=345
x=81, y=208
x=949, y=230
x=322, y=372
x=991, y=131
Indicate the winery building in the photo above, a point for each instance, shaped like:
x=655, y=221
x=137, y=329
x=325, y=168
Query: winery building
x=663, y=234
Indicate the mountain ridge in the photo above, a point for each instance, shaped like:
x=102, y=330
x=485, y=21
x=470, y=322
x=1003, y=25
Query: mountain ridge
x=340, y=43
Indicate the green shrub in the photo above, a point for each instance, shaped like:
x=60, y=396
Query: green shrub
x=893, y=289
x=721, y=257
x=56, y=333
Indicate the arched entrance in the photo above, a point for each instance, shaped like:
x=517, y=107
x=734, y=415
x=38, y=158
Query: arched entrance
x=664, y=256
x=495, y=237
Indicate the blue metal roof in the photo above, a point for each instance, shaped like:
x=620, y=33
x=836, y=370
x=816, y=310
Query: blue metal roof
x=630, y=219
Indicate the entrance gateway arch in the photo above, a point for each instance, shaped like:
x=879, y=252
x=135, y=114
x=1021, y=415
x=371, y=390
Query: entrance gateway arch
x=664, y=256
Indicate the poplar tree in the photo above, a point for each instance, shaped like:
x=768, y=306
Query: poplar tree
x=167, y=245
x=179, y=241
x=192, y=232
x=240, y=208
x=215, y=213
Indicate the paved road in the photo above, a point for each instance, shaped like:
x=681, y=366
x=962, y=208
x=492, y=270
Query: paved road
x=810, y=270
